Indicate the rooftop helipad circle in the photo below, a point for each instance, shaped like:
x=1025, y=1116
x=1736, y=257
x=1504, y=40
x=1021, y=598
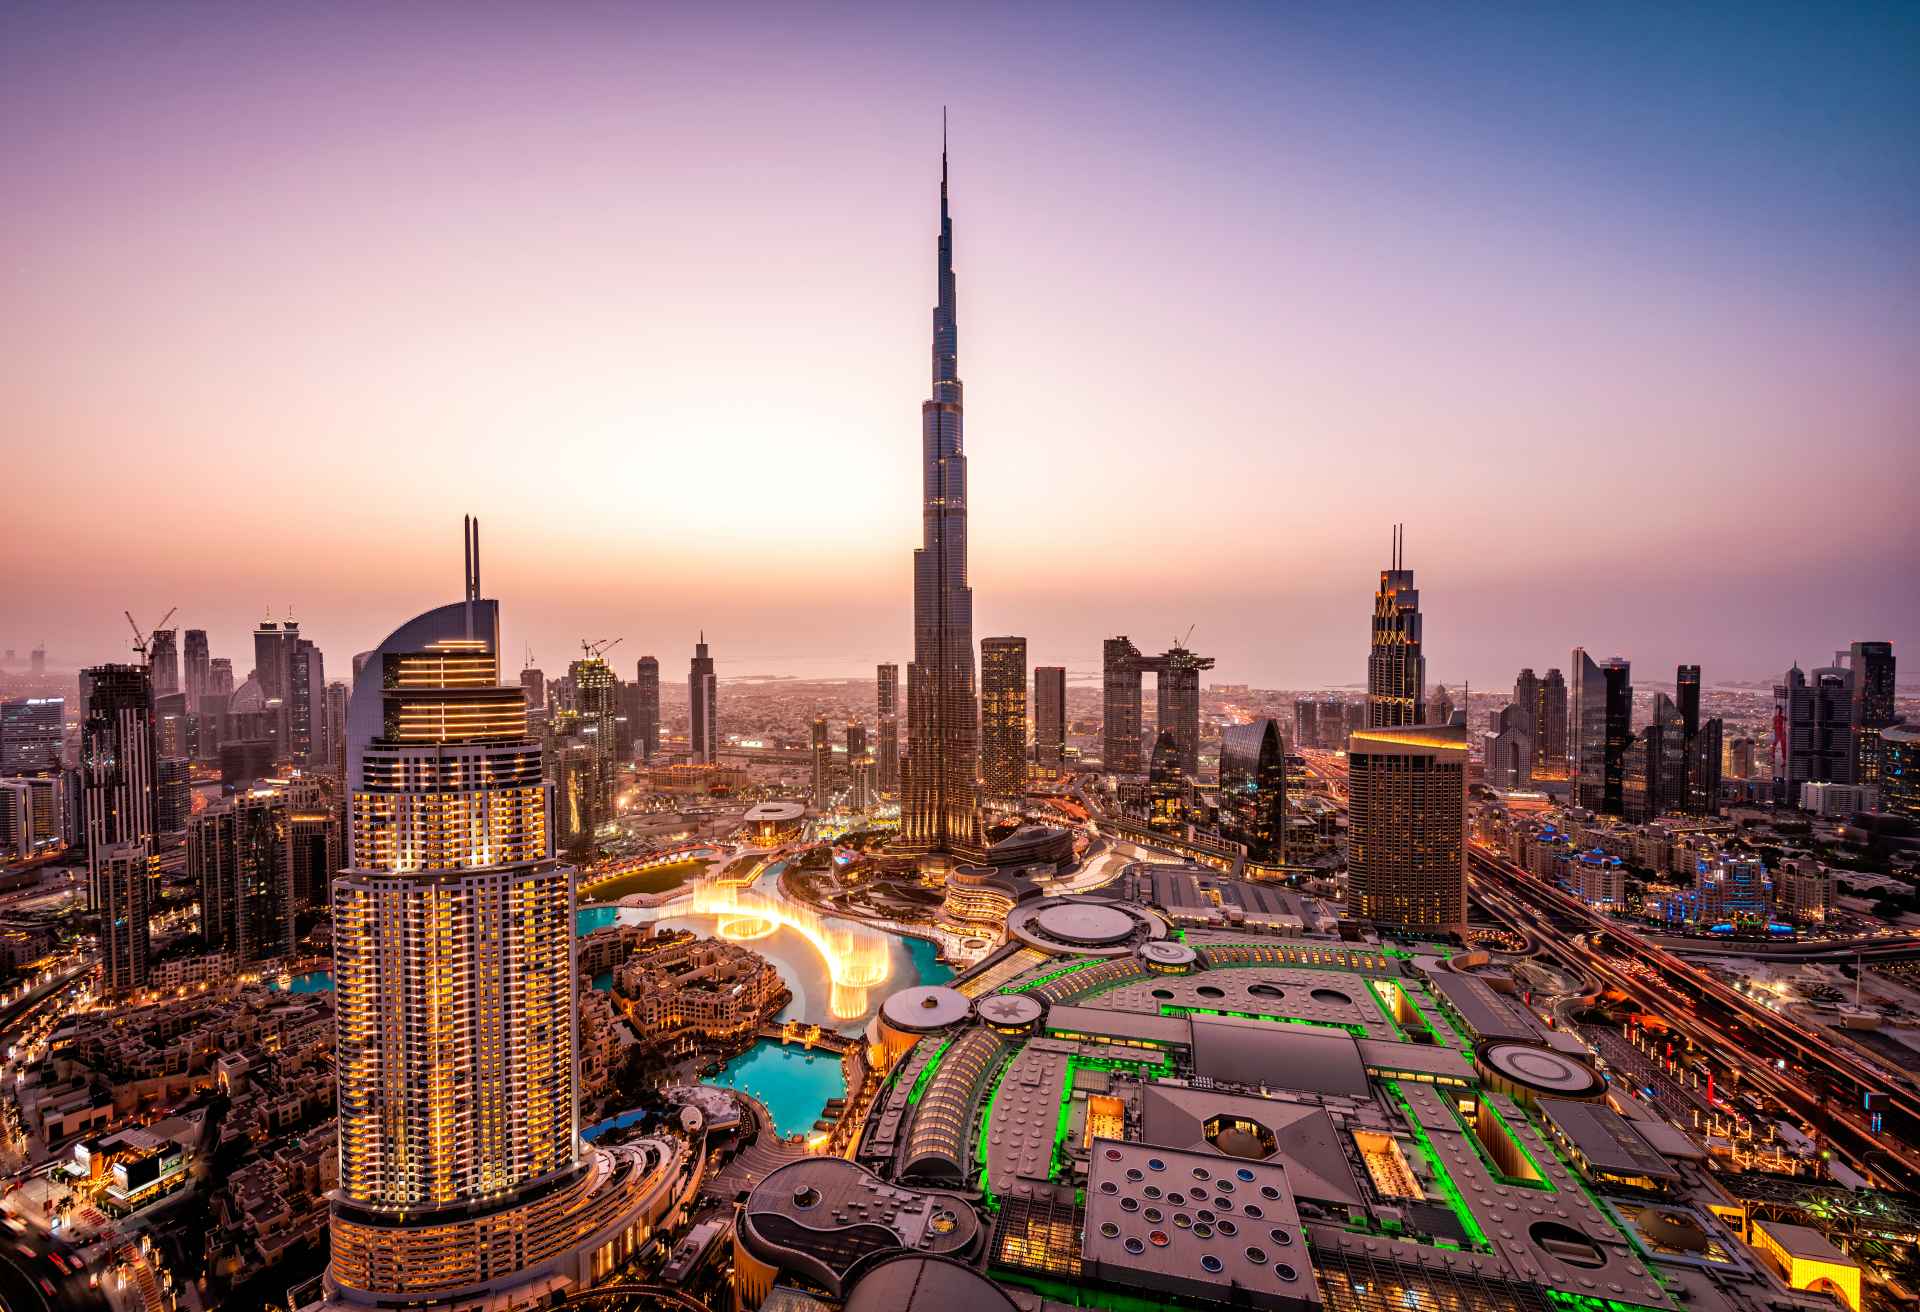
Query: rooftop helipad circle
x=1009, y=1009
x=925, y=1007
x=1092, y=923
x=1541, y=1069
x=1168, y=952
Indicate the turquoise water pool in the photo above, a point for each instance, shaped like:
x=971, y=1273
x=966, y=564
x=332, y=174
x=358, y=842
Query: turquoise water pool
x=793, y=1083
x=314, y=981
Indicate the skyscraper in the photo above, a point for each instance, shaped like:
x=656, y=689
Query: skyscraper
x=1177, y=674
x=118, y=795
x=163, y=660
x=336, y=721
x=1587, y=732
x=1253, y=789
x=1550, y=727
x=703, y=707
x=887, y=697
x=822, y=762
x=306, y=706
x=1818, y=720
x=273, y=647
x=1523, y=715
x=121, y=875
x=1120, y=706
x=1872, y=664
x=240, y=857
x=1686, y=697
x=1050, y=718
x=1306, y=723
x=1407, y=827
x=1396, y=670
x=195, y=671
x=940, y=810
x=1003, y=717
x=32, y=730
x=1617, y=674
x=1509, y=747
x=595, y=705
x=646, y=707
x=462, y=1175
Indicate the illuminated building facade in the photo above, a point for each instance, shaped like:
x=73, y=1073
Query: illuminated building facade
x=1253, y=789
x=1166, y=785
x=940, y=805
x=703, y=707
x=1900, y=770
x=596, y=706
x=1406, y=841
x=1550, y=726
x=1050, y=719
x=1396, y=670
x=240, y=857
x=122, y=879
x=461, y=1171
x=1873, y=669
x=1003, y=717
x=887, y=698
x=1177, y=676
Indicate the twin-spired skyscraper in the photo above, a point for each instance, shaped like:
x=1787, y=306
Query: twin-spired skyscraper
x=940, y=810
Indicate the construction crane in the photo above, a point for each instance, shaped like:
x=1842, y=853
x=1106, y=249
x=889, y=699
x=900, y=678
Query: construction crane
x=142, y=640
x=1180, y=643
x=595, y=650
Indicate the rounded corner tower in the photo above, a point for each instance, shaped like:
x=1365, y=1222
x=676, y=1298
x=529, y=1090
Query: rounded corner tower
x=462, y=1174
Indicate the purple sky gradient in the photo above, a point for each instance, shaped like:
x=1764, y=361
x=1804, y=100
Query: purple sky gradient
x=1617, y=310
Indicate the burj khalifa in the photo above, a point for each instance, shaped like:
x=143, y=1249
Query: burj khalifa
x=940, y=811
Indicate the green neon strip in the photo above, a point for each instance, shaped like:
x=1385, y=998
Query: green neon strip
x=926, y=1073
x=986, y=1120
x=1051, y=976
x=1452, y=1190
x=1177, y=1009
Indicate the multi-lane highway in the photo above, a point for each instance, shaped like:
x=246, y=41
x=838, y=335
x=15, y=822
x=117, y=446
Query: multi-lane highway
x=1802, y=1070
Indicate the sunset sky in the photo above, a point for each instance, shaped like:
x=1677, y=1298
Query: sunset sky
x=1616, y=306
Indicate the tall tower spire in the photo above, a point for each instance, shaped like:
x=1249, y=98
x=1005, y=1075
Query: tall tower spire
x=940, y=807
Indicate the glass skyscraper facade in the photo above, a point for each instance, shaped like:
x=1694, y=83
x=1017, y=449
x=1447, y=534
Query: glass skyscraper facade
x=940, y=809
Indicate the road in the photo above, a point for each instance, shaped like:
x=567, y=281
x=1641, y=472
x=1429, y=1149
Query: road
x=1820, y=1084
x=28, y=1271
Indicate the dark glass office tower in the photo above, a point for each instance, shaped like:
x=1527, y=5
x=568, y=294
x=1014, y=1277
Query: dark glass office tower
x=1872, y=664
x=940, y=812
x=1686, y=697
x=1253, y=789
x=1396, y=670
x=163, y=661
x=646, y=707
x=1618, y=674
x=1050, y=718
x=196, y=655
